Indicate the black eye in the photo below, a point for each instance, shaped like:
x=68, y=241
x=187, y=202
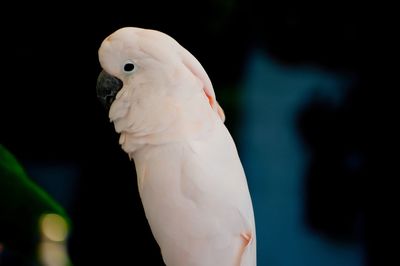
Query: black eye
x=129, y=67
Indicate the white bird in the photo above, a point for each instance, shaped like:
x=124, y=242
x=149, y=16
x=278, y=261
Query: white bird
x=190, y=178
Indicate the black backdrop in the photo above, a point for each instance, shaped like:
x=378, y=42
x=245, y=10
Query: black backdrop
x=49, y=109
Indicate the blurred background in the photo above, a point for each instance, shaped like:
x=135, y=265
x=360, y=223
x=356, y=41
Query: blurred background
x=304, y=98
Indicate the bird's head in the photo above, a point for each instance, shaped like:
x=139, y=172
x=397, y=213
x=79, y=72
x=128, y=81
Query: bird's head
x=147, y=76
x=132, y=57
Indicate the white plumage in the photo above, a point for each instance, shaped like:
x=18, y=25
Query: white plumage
x=190, y=178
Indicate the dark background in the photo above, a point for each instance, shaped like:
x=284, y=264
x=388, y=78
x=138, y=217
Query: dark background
x=50, y=114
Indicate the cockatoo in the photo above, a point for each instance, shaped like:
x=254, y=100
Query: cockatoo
x=190, y=179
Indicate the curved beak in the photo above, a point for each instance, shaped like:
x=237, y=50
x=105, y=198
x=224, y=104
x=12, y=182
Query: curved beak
x=107, y=88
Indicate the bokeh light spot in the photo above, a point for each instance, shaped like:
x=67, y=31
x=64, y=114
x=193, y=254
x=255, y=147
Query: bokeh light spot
x=54, y=227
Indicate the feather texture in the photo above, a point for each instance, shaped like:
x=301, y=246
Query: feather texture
x=190, y=178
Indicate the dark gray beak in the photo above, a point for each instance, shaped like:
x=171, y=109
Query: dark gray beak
x=107, y=88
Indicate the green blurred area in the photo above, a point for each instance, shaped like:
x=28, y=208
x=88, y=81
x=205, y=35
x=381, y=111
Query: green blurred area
x=22, y=203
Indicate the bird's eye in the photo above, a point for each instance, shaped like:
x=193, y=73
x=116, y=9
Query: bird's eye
x=129, y=67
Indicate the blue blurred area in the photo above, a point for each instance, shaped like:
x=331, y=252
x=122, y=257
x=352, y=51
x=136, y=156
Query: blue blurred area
x=58, y=178
x=275, y=159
